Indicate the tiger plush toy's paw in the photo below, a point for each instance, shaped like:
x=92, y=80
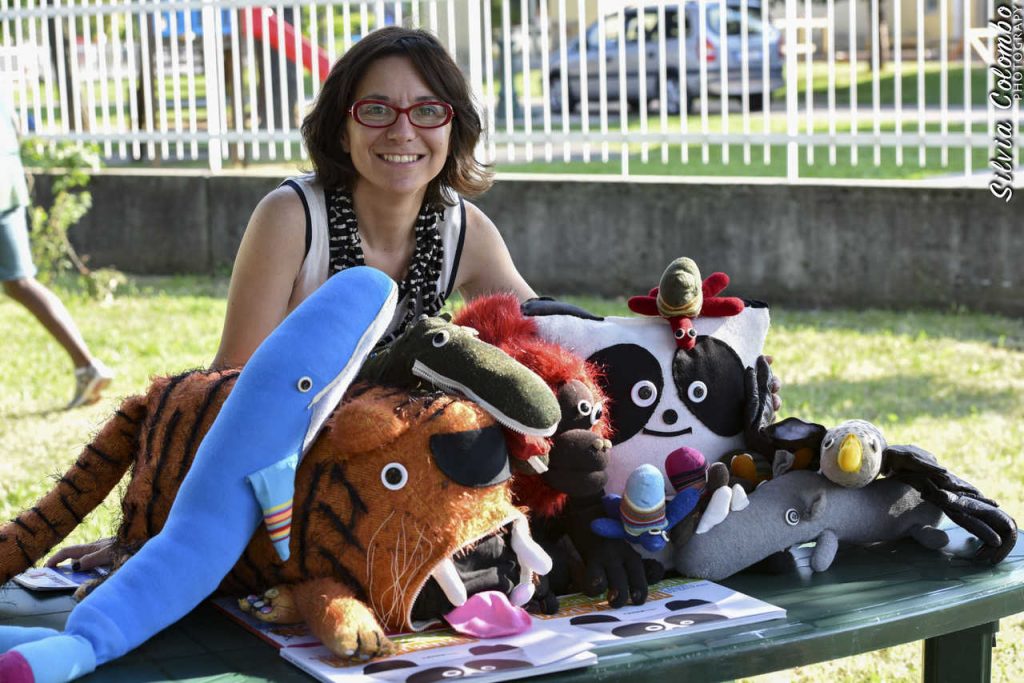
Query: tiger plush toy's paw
x=275, y=606
x=360, y=636
x=344, y=624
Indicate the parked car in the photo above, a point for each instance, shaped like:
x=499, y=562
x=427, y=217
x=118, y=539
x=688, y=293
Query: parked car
x=757, y=32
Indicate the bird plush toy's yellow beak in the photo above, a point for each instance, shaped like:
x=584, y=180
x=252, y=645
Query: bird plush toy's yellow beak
x=850, y=454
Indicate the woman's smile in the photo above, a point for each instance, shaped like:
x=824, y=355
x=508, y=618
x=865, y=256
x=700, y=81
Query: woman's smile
x=402, y=159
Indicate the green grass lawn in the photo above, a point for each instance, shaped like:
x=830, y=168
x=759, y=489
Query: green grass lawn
x=773, y=164
x=864, y=84
x=764, y=164
x=951, y=382
x=908, y=80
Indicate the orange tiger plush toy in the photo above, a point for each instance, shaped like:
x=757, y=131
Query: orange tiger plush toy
x=365, y=546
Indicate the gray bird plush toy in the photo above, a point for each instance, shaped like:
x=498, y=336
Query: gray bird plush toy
x=851, y=454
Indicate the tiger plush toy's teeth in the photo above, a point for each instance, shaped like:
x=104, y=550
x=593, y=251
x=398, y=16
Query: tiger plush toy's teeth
x=530, y=554
x=447, y=577
x=530, y=559
x=496, y=609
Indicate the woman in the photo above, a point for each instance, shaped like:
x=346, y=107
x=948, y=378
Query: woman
x=391, y=138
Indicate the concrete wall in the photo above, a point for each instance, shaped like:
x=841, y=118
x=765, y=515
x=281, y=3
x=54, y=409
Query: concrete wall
x=806, y=244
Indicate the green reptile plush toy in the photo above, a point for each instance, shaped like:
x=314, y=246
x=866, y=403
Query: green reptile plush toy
x=450, y=357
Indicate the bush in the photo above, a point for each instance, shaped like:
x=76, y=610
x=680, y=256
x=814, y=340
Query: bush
x=71, y=164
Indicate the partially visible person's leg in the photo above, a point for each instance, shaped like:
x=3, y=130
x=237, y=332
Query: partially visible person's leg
x=50, y=311
x=18, y=275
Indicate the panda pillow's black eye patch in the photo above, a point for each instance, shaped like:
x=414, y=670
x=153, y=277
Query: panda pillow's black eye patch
x=709, y=378
x=631, y=379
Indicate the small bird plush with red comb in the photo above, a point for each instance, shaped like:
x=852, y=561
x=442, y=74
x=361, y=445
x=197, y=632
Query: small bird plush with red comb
x=681, y=296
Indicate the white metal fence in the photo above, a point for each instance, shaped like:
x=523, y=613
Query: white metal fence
x=849, y=88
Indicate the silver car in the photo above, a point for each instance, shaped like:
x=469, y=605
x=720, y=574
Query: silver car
x=757, y=33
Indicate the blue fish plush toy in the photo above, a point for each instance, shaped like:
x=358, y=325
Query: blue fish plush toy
x=641, y=515
x=244, y=472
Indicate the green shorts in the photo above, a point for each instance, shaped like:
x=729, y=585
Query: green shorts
x=15, y=256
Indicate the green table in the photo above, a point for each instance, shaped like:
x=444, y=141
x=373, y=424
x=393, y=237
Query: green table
x=871, y=598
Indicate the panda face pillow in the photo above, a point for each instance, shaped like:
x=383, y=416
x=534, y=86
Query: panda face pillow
x=662, y=397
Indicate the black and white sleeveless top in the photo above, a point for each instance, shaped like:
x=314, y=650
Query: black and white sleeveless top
x=316, y=267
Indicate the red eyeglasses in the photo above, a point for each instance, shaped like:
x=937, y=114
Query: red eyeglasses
x=378, y=114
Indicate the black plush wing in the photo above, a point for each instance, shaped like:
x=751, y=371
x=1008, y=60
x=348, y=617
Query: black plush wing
x=758, y=410
x=792, y=434
x=960, y=500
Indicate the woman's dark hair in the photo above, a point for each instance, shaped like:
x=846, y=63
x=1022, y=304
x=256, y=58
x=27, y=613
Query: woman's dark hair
x=323, y=127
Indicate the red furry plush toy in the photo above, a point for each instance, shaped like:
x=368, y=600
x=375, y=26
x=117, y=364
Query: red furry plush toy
x=561, y=479
x=573, y=461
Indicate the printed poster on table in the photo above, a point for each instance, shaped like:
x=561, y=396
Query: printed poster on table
x=572, y=638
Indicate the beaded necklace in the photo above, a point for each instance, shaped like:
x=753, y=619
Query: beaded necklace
x=419, y=287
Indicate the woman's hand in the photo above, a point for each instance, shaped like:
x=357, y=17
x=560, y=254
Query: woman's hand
x=85, y=556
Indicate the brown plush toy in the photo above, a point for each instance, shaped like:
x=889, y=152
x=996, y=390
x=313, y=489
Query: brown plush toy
x=364, y=546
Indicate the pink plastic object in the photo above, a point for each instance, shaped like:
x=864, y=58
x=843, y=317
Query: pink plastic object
x=489, y=615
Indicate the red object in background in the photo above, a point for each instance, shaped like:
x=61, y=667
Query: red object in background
x=288, y=48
